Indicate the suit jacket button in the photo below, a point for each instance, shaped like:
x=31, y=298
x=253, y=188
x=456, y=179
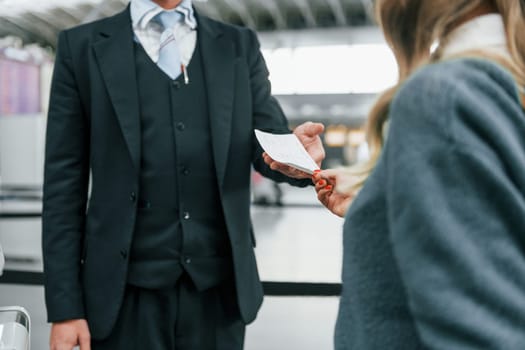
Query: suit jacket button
x=181, y=126
x=124, y=254
x=186, y=215
x=133, y=197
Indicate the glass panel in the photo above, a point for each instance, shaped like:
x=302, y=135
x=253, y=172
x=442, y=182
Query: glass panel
x=298, y=242
x=293, y=323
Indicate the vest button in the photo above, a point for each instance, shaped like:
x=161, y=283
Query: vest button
x=186, y=215
x=124, y=254
x=181, y=126
x=185, y=171
x=133, y=197
x=187, y=261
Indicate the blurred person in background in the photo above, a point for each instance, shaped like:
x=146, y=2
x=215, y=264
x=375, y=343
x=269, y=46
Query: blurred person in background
x=159, y=105
x=2, y=261
x=434, y=236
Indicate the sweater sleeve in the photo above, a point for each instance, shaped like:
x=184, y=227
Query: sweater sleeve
x=457, y=209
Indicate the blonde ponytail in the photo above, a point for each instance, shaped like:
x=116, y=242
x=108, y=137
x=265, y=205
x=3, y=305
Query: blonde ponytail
x=411, y=27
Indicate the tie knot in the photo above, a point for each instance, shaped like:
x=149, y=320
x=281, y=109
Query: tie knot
x=168, y=19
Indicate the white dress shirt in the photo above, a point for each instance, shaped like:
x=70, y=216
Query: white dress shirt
x=148, y=32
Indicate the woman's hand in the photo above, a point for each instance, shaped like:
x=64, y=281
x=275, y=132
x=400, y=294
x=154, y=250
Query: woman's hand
x=333, y=189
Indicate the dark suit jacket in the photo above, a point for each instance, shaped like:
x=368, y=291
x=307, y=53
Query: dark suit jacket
x=435, y=241
x=94, y=128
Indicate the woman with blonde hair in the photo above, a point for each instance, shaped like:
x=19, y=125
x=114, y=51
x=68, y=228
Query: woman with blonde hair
x=434, y=237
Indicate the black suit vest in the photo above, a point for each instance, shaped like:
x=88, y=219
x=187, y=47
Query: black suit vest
x=180, y=224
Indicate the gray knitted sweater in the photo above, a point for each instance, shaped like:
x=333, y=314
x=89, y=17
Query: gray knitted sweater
x=434, y=244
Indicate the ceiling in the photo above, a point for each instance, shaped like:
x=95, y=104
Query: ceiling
x=281, y=23
x=41, y=23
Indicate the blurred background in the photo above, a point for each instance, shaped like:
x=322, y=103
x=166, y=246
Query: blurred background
x=327, y=61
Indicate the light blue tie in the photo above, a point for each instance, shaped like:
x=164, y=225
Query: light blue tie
x=169, y=54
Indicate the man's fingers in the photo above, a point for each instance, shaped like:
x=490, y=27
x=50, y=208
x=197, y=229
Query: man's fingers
x=64, y=346
x=314, y=129
x=85, y=342
x=310, y=129
x=285, y=169
x=267, y=159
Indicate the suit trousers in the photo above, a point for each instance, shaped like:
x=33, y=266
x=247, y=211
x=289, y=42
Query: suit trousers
x=177, y=318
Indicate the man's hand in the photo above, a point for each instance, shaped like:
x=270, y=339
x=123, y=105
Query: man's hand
x=68, y=334
x=308, y=133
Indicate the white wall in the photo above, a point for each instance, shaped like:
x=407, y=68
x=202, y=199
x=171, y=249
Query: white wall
x=22, y=150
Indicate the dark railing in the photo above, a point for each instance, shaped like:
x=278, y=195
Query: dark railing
x=292, y=289
x=25, y=215
x=296, y=289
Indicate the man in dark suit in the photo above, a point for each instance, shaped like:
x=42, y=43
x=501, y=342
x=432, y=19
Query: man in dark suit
x=147, y=236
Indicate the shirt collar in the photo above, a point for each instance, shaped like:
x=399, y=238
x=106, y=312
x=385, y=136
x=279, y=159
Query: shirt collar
x=485, y=32
x=142, y=11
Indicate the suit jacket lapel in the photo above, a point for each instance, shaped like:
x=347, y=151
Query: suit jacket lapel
x=219, y=66
x=115, y=55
